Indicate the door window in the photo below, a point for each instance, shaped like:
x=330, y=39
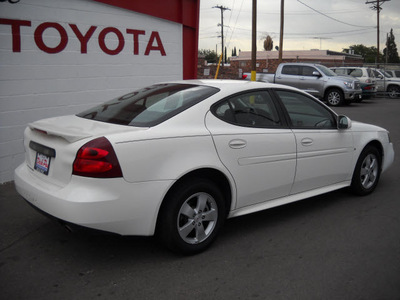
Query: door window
x=308, y=71
x=253, y=109
x=305, y=112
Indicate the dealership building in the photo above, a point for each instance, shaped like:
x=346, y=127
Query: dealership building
x=60, y=57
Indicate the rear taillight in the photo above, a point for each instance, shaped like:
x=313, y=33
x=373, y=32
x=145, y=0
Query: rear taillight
x=97, y=159
x=244, y=76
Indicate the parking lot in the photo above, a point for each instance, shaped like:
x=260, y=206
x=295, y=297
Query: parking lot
x=333, y=246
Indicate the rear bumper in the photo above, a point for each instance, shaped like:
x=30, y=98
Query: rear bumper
x=111, y=205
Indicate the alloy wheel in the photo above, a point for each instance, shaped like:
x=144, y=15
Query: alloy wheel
x=369, y=171
x=197, y=218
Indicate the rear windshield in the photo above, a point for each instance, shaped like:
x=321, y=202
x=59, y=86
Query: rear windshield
x=149, y=106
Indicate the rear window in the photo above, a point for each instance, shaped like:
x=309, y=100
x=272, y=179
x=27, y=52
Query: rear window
x=149, y=106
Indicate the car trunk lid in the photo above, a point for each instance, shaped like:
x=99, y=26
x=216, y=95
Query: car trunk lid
x=51, y=144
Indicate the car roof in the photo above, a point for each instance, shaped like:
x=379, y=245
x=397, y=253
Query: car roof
x=355, y=67
x=232, y=85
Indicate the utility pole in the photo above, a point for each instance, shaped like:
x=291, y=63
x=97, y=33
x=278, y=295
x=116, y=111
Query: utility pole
x=222, y=8
x=377, y=5
x=254, y=42
x=281, y=33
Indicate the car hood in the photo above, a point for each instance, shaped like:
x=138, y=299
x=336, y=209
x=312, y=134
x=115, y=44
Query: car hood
x=73, y=128
x=359, y=126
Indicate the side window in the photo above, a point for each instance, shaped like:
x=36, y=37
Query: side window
x=305, y=112
x=253, y=109
x=340, y=71
x=356, y=73
x=291, y=70
x=308, y=71
x=370, y=73
x=397, y=73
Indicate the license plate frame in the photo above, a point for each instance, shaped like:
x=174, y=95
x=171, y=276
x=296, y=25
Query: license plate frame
x=42, y=163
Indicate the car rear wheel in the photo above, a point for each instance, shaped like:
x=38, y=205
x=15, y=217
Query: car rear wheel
x=191, y=216
x=334, y=97
x=367, y=172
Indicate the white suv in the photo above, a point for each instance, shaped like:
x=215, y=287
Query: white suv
x=365, y=75
x=394, y=73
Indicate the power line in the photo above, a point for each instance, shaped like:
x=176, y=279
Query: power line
x=334, y=19
x=234, y=27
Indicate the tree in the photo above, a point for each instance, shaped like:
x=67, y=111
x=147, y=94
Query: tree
x=225, y=56
x=368, y=53
x=390, y=52
x=234, y=53
x=209, y=55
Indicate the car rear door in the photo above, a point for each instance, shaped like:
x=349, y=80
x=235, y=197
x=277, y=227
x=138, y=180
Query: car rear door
x=380, y=81
x=254, y=145
x=289, y=75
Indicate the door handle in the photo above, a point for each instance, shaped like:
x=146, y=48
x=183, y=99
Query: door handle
x=237, y=144
x=307, y=142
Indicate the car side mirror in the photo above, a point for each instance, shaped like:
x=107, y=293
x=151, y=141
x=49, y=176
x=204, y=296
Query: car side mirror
x=316, y=73
x=343, y=122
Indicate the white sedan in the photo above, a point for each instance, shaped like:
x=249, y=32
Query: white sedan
x=176, y=159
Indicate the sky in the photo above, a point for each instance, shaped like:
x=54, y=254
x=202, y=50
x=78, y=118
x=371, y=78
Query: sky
x=308, y=24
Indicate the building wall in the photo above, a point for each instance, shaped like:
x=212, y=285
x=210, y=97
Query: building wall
x=60, y=57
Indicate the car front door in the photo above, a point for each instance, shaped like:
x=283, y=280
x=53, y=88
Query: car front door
x=310, y=82
x=254, y=144
x=324, y=153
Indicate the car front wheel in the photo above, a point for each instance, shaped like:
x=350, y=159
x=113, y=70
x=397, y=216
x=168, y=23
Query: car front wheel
x=367, y=172
x=334, y=97
x=191, y=216
x=393, y=91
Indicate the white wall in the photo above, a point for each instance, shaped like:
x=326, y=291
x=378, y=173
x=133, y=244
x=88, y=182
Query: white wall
x=36, y=84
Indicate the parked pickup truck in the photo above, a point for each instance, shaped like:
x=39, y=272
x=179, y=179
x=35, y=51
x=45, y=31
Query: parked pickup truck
x=387, y=84
x=316, y=80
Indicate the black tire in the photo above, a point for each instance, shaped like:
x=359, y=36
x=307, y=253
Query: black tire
x=393, y=91
x=191, y=216
x=334, y=97
x=367, y=172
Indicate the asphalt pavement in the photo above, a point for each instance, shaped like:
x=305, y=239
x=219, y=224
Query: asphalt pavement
x=333, y=246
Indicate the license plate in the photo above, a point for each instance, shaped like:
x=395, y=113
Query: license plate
x=42, y=163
